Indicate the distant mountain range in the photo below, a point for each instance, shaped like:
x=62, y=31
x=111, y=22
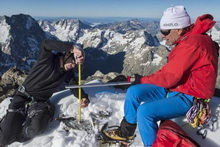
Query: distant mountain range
x=115, y=44
x=98, y=19
x=108, y=45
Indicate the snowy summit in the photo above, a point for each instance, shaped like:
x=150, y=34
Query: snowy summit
x=102, y=99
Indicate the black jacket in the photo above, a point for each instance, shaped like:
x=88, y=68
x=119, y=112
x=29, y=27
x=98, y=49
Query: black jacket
x=46, y=76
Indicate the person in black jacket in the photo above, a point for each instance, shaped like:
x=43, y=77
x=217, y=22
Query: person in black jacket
x=30, y=110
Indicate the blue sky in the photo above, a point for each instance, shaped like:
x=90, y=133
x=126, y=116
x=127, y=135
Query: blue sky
x=106, y=8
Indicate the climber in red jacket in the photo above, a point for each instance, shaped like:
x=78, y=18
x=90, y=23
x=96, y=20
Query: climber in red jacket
x=190, y=73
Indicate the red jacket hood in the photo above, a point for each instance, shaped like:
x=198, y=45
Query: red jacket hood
x=203, y=24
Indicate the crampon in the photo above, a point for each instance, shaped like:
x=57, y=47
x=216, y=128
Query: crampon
x=71, y=123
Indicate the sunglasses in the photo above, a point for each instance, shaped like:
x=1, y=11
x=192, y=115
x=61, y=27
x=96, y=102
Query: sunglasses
x=165, y=32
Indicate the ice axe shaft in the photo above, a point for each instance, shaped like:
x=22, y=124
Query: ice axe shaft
x=98, y=85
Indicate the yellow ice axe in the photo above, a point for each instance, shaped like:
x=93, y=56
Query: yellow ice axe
x=80, y=90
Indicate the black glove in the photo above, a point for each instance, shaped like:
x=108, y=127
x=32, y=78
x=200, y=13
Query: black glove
x=120, y=78
x=137, y=79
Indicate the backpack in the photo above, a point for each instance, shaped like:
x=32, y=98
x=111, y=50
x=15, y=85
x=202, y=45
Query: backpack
x=172, y=135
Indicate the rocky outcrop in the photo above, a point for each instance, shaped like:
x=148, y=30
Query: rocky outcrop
x=102, y=77
x=10, y=81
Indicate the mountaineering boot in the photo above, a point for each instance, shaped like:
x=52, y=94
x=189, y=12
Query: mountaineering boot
x=123, y=133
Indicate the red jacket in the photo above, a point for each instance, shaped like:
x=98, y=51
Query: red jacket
x=192, y=64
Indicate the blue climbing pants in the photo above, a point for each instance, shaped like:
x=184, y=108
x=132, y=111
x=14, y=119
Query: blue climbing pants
x=146, y=104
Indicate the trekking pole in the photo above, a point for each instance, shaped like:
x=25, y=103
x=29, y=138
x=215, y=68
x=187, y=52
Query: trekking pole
x=80, y=90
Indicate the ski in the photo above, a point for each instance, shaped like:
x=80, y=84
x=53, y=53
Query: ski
x=98, y=85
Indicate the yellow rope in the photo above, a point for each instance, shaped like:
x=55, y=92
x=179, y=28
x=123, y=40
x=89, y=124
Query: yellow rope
x=79, y=100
